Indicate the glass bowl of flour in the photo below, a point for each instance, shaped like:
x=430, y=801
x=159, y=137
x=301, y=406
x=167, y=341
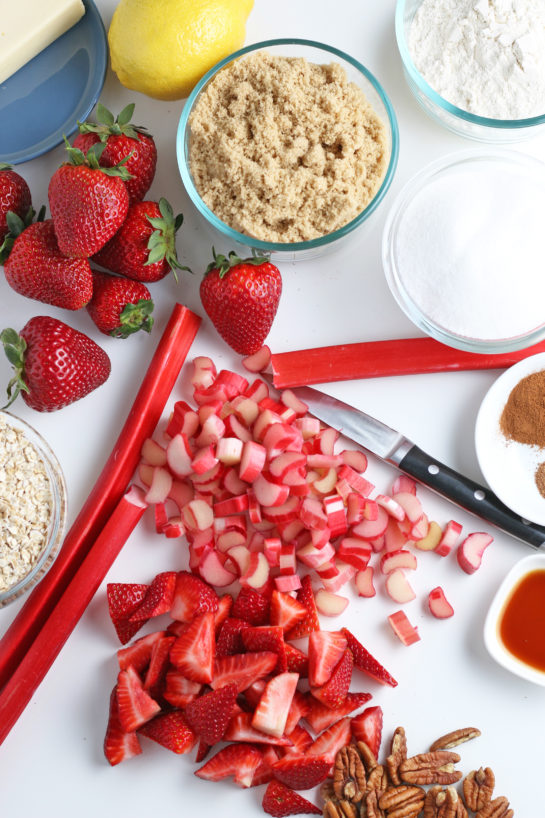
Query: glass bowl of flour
x=476, y=66
x=464, y=247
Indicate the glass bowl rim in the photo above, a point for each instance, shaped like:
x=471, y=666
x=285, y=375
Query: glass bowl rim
x=409, y=190
x=56, y=533
x=441, y=102
x=268, y=246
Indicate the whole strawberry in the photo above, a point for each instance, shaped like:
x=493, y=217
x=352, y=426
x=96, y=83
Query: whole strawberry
x=88, y=203
x=37, y=269
x=241, y=297
x=54, y=365
x=120, y=306
x=14, y=196
x=144, y=247
x=122, y=139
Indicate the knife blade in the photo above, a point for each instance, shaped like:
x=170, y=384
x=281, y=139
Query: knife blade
x=393, y=447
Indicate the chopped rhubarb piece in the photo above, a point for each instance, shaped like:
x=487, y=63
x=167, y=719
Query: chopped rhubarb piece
x=259, y=361
x=213, y=571
x=336, y=515
x=118, y=744
x=240, y=555
x=288, y=583
x=371, y=529
x=243, y=669
x=365, y=662
x=410, y=504
x=398, y=587
x=252, y=461
x=355, y=552
x=271, y=714
x=330, y=604
x=269, y=493
x=333, y=692
x=345, y=572
x=193, y=652
x=135, y=705
x=153, y=453
x=325, y=649
x=403, y=628
x=257, y=573
x=279, y=801
x=367, y=727
x=161, y=483
x=403, y=484
x=238, y=760
x=397, y=559
x=390, y=505
x=331, y=740
x=204, y=372
x=438, y=604
x=355, y=459
x=315, y=557
x=364, y=582
x=432, y=538
x=470, y=552
x=448, y=540
x=356, y=481
x=180, y=455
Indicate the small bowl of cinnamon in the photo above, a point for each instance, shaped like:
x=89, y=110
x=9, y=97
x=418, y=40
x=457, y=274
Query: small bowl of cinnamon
x=510, y=438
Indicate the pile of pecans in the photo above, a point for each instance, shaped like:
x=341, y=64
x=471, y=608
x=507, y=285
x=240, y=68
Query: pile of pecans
x=363, y=788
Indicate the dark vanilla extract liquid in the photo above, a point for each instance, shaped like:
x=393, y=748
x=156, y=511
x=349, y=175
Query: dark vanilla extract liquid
x=522, y=621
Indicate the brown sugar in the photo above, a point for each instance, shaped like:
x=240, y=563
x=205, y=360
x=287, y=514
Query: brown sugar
x=523, y=417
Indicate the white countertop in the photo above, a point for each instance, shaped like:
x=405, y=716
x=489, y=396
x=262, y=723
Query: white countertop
x=52, y=763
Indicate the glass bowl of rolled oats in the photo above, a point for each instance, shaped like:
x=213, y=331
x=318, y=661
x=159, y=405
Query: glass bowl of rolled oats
x=32, y=507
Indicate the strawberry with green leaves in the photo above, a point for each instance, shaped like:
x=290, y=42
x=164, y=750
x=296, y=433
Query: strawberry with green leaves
x=14, y=197
x=144, y=248
x=88, y=203
x=241, y=298
x=122, y=139
x=54, y=364
x=119, y=307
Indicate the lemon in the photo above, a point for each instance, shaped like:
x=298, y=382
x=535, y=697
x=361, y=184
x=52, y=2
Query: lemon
x=163, y=47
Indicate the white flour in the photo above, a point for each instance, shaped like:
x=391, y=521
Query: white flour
x=484, y=56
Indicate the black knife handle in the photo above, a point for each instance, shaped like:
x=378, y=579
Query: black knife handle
x=470, y=496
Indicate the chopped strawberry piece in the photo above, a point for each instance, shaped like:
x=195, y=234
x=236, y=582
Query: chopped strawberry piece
x=243, y=669
x=177, y=628
x=331, y=740
x=264, y=772
x=251, y=606
x=367, y=663
x=302, y=772
x=333, y=693
x=310, y=623
x=230, y=639
x=301, y=741
x=253, y=693
x=321, y=717
x=280, y=800
x=240, y=729
x=299, y=708
x=158, y=598
x=123, y=599
x=272, y=711
x=238, y=760
x=367, y=727
x=138, y=655
x=172, y=731
x=267, y=638
x=209, y=715
x=158, y=666
x=193, y=652
x=202, y=751
x=118, y=744
x=297, y=661
x=325, y=649
x=225, y=603
x=179, y=691
x=286, y=611
x=192, y=596
x=135, y=705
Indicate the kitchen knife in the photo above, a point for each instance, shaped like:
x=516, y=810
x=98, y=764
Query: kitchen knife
x=393, y=447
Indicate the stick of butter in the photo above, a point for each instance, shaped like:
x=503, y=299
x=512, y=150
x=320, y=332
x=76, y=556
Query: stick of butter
x=29, y=26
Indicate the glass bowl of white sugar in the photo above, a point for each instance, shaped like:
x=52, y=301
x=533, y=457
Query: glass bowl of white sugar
x=463, y=250
x=476, y=66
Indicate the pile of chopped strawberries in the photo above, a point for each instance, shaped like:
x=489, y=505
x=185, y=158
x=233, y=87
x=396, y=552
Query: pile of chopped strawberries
x=226, y=670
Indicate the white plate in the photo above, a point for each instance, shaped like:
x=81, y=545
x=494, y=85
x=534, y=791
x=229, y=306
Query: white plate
x=492, y=639
x=509, y=467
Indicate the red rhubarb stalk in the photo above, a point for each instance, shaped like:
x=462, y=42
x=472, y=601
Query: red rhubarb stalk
x=378, y=359
x=63, y=618
x=146, y=410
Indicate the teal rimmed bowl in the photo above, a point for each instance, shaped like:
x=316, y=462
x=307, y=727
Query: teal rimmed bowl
x=316, y=53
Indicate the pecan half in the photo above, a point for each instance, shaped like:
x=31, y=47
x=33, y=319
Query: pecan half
x=398, y=753
x=478, y=787
x=498, y=808
x=430, y=768
x=402, y=802
x=372, y=808
x=455, y=738
x=349, y=781
x=442, y=803
x=367, y=756
x=335, y=808
x=377, y=779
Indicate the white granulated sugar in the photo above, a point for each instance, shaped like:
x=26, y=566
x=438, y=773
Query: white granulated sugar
x=484, y=56
x=470, y=251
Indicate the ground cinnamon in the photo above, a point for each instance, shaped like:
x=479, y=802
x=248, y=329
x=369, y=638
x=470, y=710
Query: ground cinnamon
x=523, y=416
x=540, y=479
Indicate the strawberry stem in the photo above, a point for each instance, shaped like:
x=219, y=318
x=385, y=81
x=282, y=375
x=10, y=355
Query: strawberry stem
x=134, y=317
x=16, y=225
x=92, y=160
x=224, y=263
x=15, y=349
x=162, y=242
x=108, y=126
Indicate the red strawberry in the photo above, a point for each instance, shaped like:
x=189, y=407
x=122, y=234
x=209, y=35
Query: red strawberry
x=279, y=800
x=178, y=690
x=230, y=639
x=301, y=739
x=193, y=652
x=271, y=713
x=209, y=715
x=238, y=760
x=158, y=666
x=241, y=298
x=158, y=598
x=264, y=772
x=172, y=731
x=333, y=692
x=144, y=247
x=251, y=606
x=325, y=649
x=192, y=596
x=297, y=661
x=136, y=706
x=122, y=139
x=321, y=717
x=14, y=197
x=299, y=708
x=302, y=772
x=54, y=364
x=367, y=727
x=305, y=596
x=120, y=307
x=37, y=269
x=286, y=611
x=88, y=204
x=331, y=740
x=123, y=599
x=266, y=638
x=243, y=668
x=138, y=655
x=240, y=729
x=367, y=663
x=118, y=744
x=225, y=603
x=202, y=751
